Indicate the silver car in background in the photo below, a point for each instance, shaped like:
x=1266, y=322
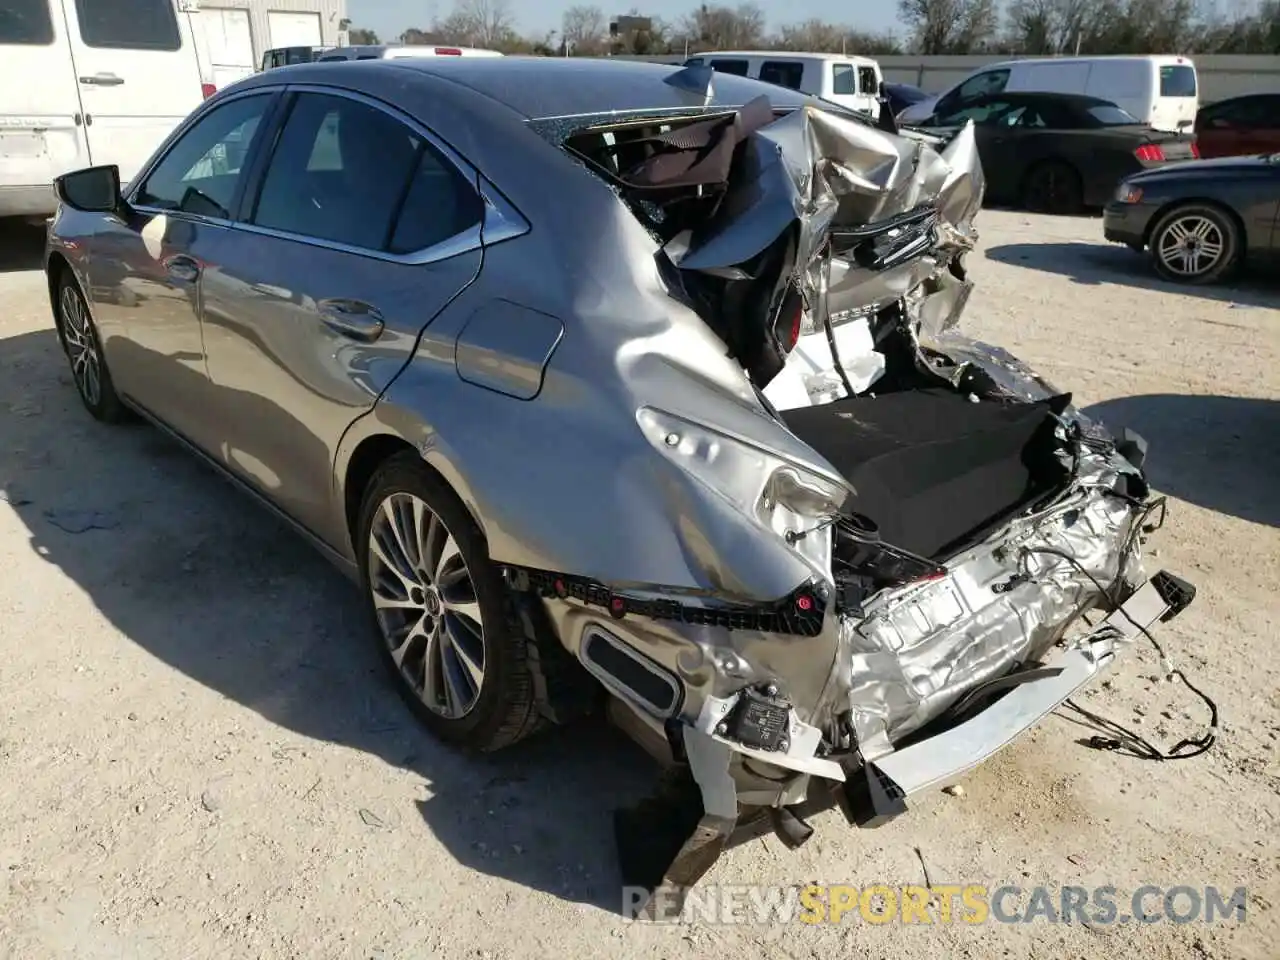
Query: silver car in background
x=626, y=388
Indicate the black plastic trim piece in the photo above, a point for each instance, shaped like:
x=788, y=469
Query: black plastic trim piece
x=799, y=613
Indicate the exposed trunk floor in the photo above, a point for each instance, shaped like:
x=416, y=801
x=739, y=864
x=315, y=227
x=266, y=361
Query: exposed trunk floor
x=932, y=468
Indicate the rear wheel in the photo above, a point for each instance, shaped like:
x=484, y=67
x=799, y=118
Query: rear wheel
x=1053, y=187
x=440, y=611
x=1195, y=243
x=83, y=348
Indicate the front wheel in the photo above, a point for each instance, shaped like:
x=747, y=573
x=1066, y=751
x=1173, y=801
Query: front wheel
x=1195, y=243
x=83, y=347
x=440, y=611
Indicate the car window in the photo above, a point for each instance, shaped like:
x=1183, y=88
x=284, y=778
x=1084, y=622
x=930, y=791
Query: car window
x=341, y=170
x=1245, y=112
x=736, y=67
x=983, y=85
x=844, y=80
x=986, y=112
x=129, y=24
x=1177, y=81
x=1108, y=115
x=201, y=171
x=867, y=82
x=1043, y=116
x=26, y=21
x=784, y=73
x=440, y=204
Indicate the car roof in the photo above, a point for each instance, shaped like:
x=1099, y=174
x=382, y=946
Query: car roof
x=544, y=87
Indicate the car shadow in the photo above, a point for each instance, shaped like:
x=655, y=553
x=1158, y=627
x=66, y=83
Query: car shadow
x=21, y=246
x=1095, y=263
x=1217, y=452
x=212, y=585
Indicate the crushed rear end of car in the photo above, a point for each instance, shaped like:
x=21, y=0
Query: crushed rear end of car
x=959, y=520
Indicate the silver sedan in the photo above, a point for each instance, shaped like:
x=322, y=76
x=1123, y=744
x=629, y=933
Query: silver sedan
x=625, y=388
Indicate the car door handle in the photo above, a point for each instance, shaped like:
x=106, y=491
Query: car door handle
x=352, y=318
x=102, y=80
x=182, y=267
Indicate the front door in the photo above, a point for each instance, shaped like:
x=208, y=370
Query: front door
x=361, y=233
x=138, y=74
x=41, y=131
x=146, y=276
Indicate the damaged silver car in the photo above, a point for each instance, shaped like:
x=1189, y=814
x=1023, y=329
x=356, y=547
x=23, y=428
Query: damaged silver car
x=626, y=388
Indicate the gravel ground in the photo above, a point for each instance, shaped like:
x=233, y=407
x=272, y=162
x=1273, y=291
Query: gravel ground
x=199, y=758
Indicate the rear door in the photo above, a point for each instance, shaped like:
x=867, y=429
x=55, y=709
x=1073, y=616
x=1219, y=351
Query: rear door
x=363, y=230
x=230, y=44
x=41, y=131
x=1177, y=96
x=138, y=74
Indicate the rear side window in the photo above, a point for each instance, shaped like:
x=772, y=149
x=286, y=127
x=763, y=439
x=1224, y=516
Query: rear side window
x=129, y=24
x=26, y=22
x=440, y=204
x=844, y=79
x=1177, y=81
x=784, y=73
x=867, y=82
x=736, y=67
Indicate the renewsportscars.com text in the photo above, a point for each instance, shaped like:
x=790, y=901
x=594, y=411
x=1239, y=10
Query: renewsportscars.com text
x=882, y=904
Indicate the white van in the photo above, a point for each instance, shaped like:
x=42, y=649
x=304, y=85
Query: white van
x=1161, y=91
x=853, y=82
x=88, y=82
x=389, y=51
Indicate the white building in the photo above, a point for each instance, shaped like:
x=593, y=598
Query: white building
x=238, y=32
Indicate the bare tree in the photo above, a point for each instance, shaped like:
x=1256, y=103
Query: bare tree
x=818, y=36
x=584, y=30
x=479, y=23
x=359, y=35
x=950, y=26
x=725, y=28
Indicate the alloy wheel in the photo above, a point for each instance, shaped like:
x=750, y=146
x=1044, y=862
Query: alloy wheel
x=424, y=598
x=82, y=346
x=1191, y=246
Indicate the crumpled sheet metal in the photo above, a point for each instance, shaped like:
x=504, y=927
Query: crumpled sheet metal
x=820, y=171
x=914, y=654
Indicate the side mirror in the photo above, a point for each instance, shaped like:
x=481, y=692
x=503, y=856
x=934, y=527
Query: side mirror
x=92, y=190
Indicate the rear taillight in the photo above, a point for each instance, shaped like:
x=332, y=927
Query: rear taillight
x=208, y=90
x=448, y=52
x=1149, y=153
x=1195, y=149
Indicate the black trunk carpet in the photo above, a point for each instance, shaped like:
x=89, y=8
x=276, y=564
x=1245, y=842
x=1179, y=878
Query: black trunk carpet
x=932, y=468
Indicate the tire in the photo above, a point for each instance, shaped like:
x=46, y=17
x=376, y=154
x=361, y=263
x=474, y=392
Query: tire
x=1053, y=187
x=453, y=610
x=83, y=348
x=1196, y=243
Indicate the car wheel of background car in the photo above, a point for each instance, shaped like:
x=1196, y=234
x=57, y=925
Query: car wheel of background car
x=1195, y=243
x=1053, y=187
x=441, y=610
x=83, y=348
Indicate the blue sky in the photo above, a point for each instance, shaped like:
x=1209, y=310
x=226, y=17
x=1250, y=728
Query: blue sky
x=390, y=17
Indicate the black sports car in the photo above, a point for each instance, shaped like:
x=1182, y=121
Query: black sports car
x=1200, y=220
x=1059, y=152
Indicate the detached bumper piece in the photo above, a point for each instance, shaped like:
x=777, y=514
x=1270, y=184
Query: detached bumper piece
x=670, y=841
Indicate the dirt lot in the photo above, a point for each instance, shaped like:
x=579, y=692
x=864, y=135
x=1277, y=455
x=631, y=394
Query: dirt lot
x=199, y=758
